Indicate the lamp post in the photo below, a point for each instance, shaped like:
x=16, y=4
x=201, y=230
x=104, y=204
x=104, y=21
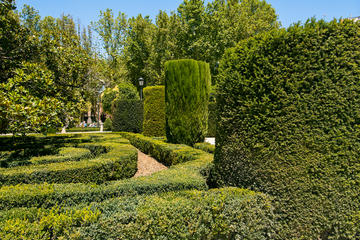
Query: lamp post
x=99, y=100
x=141, y=85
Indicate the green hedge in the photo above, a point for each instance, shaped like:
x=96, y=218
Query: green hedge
x=55, y=223
x=128, y=116
x=65, y=154
x=205, y=146
x=187, y=89
x=211, y=120
x=84, y=129
x=228, y=213
x=188, y=175
x=154, y=111
x=119, y=161
x=289, y=110
x=166, y=153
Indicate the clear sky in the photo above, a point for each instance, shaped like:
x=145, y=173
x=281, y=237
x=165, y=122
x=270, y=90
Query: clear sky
x=289, y=11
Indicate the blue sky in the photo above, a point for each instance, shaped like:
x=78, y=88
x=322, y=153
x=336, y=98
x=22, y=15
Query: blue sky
x=289, y=11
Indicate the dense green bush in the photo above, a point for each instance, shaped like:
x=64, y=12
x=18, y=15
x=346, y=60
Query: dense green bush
x=187, y=89
x=108, y=126
x=187, y=175
x=212, y=120
x=227, y=213
x=154, y=111
x=289, y=112
x=44, y=224
x=128, y=116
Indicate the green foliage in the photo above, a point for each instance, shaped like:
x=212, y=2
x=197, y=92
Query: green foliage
x=289, y=107
x=216, y=214
x=166, y=153
x=211, y=120
x=111, y=30
x=54, y=223
x=187, y=175
x=108, y=126
x=65, y=154
x=45, y=58
x=123, y=91
x=128, y=115
x=196, y=31
x=107, y=98
x=127, y=91
x=154, y=111
x=15, y=44
x=227, y=213
x=30, y=101
x=186, y=95
x=137, y=49
x=205, y=146
x=118, y=161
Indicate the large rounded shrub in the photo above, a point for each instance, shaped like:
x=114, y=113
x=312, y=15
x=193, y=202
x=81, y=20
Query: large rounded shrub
x=154, y=111
x=288, y=125
x=187, y=89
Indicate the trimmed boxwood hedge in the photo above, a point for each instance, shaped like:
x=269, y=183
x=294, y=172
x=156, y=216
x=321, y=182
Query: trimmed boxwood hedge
x=128, y=116
x=154, y=111
x=289, y=113
x=187, y=175
x=119, y=161
x=227, y=213
x=166, y=153
x=65, y=154
x=187, y=89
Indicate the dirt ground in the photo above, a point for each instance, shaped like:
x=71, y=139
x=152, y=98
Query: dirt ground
x=147, y=165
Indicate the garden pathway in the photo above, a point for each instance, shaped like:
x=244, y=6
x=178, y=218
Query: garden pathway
x=147, y=165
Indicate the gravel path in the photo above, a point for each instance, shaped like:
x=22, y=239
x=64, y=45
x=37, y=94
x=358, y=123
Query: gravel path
x=147, y=165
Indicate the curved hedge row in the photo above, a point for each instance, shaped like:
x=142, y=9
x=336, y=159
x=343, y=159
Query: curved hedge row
x=228, y=213
x=65, y=154
x=187, y=175
x=154, y=111
x=119, y=161
x=289, y=113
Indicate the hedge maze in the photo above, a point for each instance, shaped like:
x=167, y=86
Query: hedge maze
x=80, y=187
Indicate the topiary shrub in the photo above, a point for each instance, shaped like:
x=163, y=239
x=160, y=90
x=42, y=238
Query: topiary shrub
x=187, y=89
x=128, y=116
x=154, y=111
x=212, y=120
x=288, y=125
